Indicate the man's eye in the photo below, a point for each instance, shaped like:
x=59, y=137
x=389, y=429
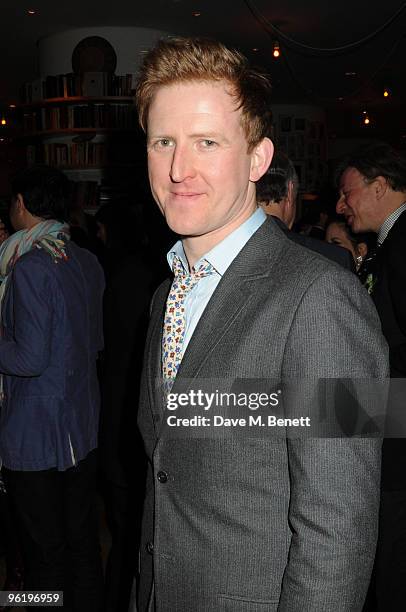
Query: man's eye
x=162, y=143
x=207, y=143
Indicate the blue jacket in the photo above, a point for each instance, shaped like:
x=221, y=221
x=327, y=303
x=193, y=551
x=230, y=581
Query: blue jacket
x=51, y=335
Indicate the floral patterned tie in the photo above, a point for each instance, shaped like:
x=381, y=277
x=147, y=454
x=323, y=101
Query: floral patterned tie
x=174, y=321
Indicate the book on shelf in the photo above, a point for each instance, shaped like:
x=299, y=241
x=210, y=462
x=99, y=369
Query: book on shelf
x=84, y=155
x=92, y=84
x=80, y=115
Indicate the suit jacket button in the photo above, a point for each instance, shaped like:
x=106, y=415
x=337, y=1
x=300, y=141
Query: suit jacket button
x=150, y=548
x=162, y=477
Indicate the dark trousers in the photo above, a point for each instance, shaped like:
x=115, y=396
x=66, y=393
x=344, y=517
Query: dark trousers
x=8, y=534
x=59, y=532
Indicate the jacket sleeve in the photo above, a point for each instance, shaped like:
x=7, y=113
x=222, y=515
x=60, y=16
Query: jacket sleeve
x=334, y=503
x=31, y=299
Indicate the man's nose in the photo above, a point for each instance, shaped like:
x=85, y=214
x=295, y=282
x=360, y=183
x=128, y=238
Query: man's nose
x=182, y=166
x=340, y=206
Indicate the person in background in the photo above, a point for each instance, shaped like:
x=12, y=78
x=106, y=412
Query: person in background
x=339, y=233
x=277, y=193
x=51, y=333
x=9, y=544
x=372, y=188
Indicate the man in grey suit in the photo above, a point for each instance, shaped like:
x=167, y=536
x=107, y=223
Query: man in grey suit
x=243, y=521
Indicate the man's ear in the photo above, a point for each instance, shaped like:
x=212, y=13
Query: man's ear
x=261, y=157
x=381, y=185
x=19, y=203
x=290, y=192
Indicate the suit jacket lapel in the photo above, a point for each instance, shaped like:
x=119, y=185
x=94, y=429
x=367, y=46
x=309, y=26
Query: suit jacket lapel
x=154, y=350
x=232, y=295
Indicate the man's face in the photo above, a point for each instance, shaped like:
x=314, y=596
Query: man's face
x=199, y=167
x=358, y=203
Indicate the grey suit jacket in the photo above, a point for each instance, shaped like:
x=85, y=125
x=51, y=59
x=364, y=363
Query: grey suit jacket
x=248, y=524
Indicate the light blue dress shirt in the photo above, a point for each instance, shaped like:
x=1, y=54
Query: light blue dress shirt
x=220, y=257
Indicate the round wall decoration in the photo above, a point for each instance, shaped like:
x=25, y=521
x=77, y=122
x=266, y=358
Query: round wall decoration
x=94, y=54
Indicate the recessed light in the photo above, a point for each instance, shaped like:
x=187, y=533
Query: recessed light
x=255, y=49
x=276, y=49
x=31, y=12
x=340, y=99
x=12, y=106
x=196, y=13
x=350, y=73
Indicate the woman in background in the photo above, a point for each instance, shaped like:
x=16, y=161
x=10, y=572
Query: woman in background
x=359, y=245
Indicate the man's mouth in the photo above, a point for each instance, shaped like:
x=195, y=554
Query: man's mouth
x=185, y=194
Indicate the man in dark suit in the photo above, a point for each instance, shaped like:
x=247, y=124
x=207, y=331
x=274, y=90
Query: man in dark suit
x=372, y=185
x=277, y=194
x=238, y=520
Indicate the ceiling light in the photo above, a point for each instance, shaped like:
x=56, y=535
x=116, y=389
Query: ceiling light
x=276, y=49
x=386, y=93
x=12, y=106
x=255, y=49
x=31, y=12
x=196, y=13
x=365, y=118
x=3, y=121
x=350, y=73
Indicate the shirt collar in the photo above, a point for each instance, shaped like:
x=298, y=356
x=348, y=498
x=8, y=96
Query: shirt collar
x=221, y=256
x=389, y=223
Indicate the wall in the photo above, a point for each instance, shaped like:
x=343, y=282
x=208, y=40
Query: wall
x=55, y=51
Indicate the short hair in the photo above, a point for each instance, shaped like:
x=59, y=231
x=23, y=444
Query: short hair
x=378, y=159
x=183, y=60
x=273, y=185
x=46, y=191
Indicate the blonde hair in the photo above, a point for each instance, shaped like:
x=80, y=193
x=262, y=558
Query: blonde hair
x=180, y=60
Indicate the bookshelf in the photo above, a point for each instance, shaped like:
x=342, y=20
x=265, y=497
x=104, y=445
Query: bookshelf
x=94, y=139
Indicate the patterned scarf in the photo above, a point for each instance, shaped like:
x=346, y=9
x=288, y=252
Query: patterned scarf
x=49, y=235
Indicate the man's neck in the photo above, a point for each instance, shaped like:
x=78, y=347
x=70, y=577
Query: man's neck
x=31, y=222
x=197, y=246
